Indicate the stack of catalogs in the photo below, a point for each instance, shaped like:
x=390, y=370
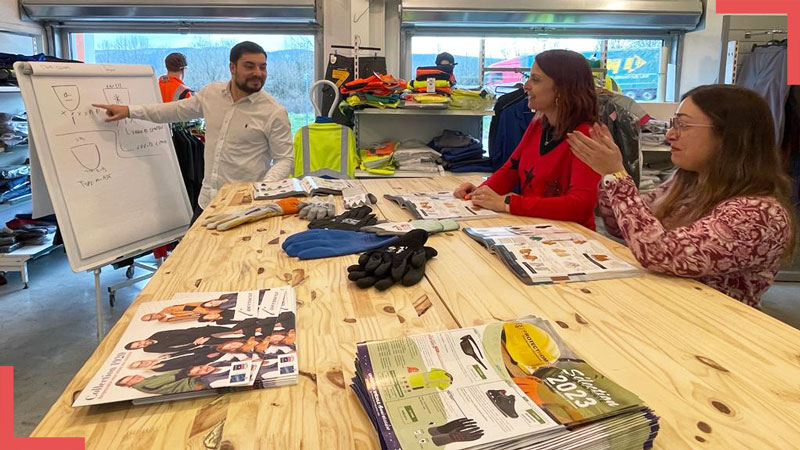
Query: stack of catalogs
x=201, y=343
x=509, y=385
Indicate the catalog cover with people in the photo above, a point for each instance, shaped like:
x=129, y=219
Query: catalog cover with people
x=200, y=344
x=545, y=253
x=491, y=384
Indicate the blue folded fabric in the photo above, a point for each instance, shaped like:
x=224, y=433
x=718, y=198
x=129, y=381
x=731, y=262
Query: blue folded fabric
x=484, y=165
x=465, y=156
x=474, y=145
x=324, y=243
x=470, y=142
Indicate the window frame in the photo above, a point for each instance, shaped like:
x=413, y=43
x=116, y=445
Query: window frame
x=673, y=41
x=61, y=33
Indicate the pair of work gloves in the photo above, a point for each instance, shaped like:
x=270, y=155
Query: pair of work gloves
x=362, y=219
x=351, y=220
x=401, y=261
x=227, y=221
x=317, y=208
x=385, y=261
x=431, y=226
x=355, y=197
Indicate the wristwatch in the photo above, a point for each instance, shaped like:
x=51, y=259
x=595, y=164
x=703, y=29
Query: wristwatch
x=612, y=177
x=507, y=199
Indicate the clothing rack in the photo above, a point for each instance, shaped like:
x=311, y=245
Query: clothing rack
x=748, y=41
x=749, y=34
x=356, y=48
x=735, y=50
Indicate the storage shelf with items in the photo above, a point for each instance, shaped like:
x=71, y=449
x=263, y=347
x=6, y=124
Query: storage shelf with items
x=20, y=239
x=374, y=126
x=414, y=127
x=389, y=113
x=425, y=112
x=656, y=159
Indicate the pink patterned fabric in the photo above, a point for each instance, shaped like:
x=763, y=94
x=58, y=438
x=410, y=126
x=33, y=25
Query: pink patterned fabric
x=736, y=249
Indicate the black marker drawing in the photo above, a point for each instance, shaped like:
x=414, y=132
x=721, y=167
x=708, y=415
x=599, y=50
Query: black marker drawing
x=87, y=147
x=117, y=96
x=87, y=155
x=69, y=96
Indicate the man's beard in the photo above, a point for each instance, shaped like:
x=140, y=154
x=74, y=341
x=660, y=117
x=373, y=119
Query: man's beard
x=244, y=87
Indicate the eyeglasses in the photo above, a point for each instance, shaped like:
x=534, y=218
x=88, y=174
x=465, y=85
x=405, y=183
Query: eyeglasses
x=675, y=123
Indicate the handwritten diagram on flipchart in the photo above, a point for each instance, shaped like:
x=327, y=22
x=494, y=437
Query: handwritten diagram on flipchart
x=118, y=179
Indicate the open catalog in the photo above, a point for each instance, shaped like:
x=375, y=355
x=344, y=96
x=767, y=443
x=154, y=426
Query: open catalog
x=201, y=343
x=298, y=187
x=545, y=253
x=509, y=385
x=440, y=205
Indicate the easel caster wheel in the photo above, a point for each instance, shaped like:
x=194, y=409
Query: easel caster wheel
x=129, y=272
x=111, y=299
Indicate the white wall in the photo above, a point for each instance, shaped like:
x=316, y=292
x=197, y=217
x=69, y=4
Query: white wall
x=702, y=52
x=345, y=19
x=10, y=19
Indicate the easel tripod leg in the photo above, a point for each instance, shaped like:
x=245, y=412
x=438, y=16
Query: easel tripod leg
x=98, y=305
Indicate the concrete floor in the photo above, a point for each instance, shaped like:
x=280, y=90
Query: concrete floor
x=48, y=331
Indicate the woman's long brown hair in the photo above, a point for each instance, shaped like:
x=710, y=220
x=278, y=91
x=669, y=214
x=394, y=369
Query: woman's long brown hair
x=747, y=162
x=577, y=99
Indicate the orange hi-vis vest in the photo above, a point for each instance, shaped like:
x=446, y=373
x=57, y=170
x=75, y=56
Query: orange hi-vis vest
x=173, y=89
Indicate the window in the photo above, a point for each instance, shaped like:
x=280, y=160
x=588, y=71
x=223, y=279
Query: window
x=633, y=65
x=19, y=43
x=290, y=63
x=465, y=51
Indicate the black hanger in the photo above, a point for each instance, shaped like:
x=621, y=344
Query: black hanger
x=772, y=43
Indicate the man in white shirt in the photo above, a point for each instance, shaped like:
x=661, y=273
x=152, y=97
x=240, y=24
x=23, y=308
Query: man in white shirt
x=247, y=130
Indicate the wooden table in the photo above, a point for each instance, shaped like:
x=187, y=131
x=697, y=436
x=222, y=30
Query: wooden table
x=718, y=373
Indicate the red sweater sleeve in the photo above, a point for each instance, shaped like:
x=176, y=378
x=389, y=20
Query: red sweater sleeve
x=506, y=178
x=576, y=205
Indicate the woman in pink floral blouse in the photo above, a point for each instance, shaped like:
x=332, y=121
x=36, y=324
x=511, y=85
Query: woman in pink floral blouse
x=723, y=217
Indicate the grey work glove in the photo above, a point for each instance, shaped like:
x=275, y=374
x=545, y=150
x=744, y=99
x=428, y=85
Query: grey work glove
x=401, y=228
x=317, y=208
x=355, y=196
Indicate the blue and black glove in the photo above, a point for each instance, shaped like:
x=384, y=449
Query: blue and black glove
x=401, y=261
x=323, y=243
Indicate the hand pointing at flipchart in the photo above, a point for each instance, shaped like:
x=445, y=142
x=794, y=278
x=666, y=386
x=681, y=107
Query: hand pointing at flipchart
x=114, y=112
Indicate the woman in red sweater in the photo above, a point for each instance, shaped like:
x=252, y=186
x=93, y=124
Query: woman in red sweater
x=553, y=183
x=724, y=217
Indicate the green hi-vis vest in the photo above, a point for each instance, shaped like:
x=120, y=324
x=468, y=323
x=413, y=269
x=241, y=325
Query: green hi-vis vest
x=325, y=149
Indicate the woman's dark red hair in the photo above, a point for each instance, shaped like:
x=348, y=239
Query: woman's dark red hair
x=577, y=99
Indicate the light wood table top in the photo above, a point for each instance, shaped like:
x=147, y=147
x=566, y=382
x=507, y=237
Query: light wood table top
x=718, y=373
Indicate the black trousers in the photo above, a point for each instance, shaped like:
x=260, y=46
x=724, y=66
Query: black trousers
x=197, y=211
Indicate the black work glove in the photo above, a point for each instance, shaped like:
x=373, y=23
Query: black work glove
x=402, y=261
x=352, y=220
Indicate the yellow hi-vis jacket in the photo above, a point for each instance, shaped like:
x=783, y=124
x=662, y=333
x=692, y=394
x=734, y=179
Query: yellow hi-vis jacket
x=325, y=149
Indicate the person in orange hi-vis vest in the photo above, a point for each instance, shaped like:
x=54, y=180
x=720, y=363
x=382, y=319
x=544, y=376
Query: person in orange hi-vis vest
x=171, y=84
x=172, y=90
